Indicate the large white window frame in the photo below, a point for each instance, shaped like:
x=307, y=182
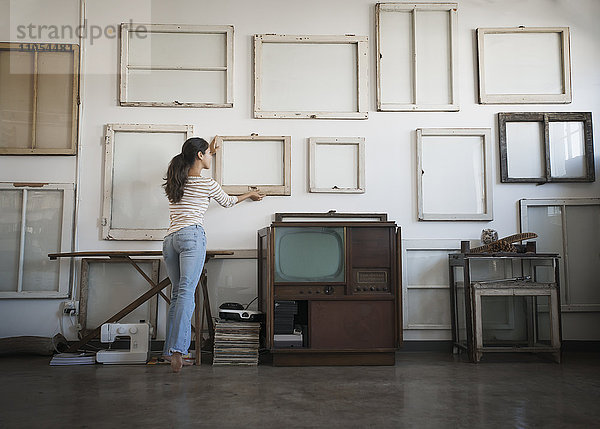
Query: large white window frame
x=358, y=166
x=483, y=195
x=129, y=29
x=109, y=232
x=386, y=57
x=360, y=73
x=66, y=234
x=564, y=56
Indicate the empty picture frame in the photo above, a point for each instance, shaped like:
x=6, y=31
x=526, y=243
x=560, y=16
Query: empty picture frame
x=454, y=177
x=417, y=56
x=320, y=77
x=136, y=157
x=39, y=94
x=524, y=65
x=237, y=159
x=546, y=147
x=176, y=65
x=108, y=285
x=37, y=219
x=337, y=164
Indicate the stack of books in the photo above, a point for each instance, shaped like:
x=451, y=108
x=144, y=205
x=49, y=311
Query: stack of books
x=236, y=343
x=73, y=359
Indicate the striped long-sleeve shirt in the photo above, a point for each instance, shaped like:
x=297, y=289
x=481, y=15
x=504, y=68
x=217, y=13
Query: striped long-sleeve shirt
x=196, y=194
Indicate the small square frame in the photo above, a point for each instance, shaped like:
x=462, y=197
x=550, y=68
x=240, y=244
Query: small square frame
x=359, y=142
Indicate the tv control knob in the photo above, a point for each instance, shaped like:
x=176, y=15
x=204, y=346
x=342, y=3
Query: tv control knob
x=328, y=290
x=372, y=287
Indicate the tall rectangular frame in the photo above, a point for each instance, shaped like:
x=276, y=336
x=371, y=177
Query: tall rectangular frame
x=35, y=49
x=108, y=232
x=487, y=197
x=508, y=98
x=413, y=7
x=362, y=83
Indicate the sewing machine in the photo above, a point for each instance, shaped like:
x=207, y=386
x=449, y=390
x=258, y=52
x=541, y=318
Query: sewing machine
x=139, y=351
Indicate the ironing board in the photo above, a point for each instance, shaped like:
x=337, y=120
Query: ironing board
x=155, y=289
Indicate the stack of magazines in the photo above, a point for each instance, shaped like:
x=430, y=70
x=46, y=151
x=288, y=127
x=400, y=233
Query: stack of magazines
x=73, y=359
x=236, y=343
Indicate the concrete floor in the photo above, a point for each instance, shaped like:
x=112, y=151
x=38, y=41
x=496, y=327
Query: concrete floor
x=423, y=390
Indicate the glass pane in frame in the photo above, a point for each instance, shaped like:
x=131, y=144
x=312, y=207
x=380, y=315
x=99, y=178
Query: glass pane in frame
x=567, y=150
x=43, y=231
x=11, y=207
x=238, y=155
x=525, y=150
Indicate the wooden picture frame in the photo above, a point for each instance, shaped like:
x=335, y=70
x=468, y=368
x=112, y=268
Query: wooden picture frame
x=454, y=158
x=186, y=89
x=536, y=147
x=417, y=56
x=44, y=119
x=280, y=152
x=353, y=181
x=294, y=77
x=159, y=144
x=26, y=271
x=103, y=305
x=509, y=74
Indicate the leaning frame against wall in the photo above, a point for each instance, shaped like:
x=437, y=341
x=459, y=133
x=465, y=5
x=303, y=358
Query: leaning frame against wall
x=39, y=97
x=318, y=77
x=337, y=165
x=546, y=147
x=37, y=219
x=571, y=228
x=509, y=73
x=417, y=56
x=176, y=65
x=107, y=285
x=136, y=157
x=237, y=153
x=458, y=160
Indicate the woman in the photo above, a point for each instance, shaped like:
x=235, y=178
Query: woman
x=184, y=247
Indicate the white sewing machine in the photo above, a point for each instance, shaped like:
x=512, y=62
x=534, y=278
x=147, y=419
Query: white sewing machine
x=139, y=351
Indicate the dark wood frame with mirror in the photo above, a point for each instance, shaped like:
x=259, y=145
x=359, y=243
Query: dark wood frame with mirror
x=582, y=163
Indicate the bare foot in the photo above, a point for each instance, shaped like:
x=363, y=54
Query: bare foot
x=176, y=362
x=186, y=362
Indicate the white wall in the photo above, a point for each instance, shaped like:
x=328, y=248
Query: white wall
x=390, y=137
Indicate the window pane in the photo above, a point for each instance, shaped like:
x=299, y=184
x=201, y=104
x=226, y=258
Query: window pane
x=567, y=149
x=16, y=99
x=433, y=57
x=43, y=232
x=55, y=100
x=168, y=86
x=177, y=49
x=11, y=203
x=525, y=150
x=344, y=157
x=396, y=47
x=237, y=155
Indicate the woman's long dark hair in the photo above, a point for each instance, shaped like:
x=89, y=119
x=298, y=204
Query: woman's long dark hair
x=177, y=173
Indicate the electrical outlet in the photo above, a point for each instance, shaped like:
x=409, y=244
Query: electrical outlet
x=71, y=308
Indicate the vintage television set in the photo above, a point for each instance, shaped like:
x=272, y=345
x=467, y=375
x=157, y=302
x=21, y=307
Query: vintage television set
x=329, y=285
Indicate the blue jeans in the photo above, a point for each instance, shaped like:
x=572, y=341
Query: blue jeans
x=184, y=252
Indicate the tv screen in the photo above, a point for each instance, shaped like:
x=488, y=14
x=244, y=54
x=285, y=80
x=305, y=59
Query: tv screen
x=309, y=254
